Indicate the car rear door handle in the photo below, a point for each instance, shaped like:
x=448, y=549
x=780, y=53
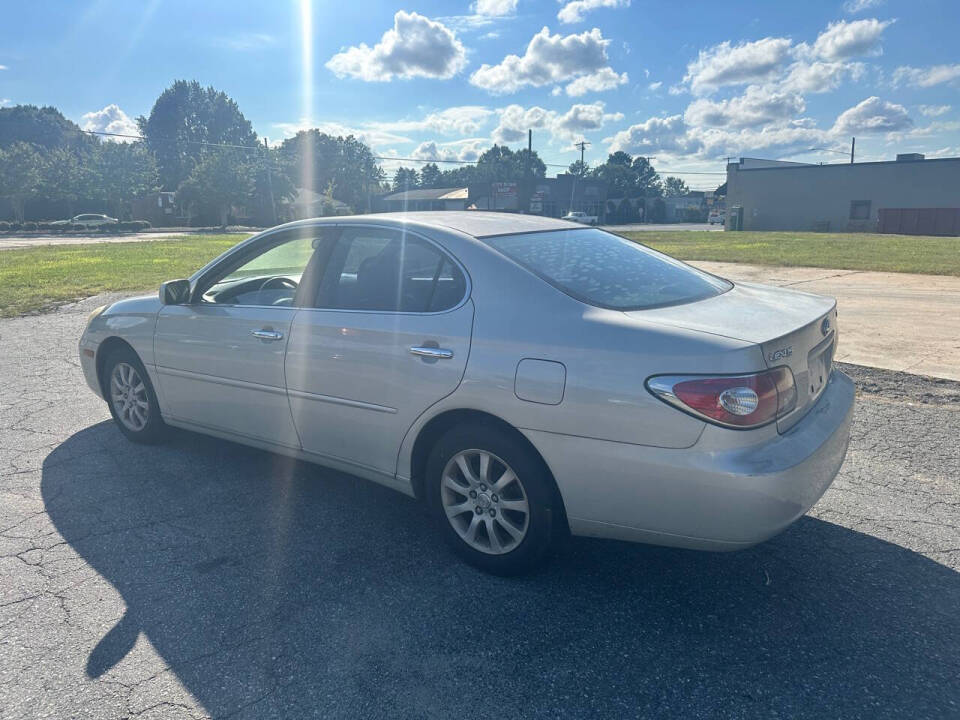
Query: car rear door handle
x=265, y=334
x=432, y=352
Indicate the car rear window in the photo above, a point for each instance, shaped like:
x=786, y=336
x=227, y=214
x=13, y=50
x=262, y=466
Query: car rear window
x=603, y=269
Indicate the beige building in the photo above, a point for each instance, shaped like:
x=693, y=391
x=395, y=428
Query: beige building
x=909, y=195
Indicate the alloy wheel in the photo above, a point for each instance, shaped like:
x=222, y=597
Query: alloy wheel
x=485, y=502
x=128, y=393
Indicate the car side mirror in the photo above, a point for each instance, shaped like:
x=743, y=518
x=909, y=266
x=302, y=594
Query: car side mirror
x=175, y=292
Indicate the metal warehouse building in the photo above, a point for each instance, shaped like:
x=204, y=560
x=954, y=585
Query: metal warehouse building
x=910, y=195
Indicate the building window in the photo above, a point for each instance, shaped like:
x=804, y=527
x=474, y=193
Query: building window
x=860, y=210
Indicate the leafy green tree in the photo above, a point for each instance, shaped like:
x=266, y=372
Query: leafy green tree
x=272, y=184
x=21, y=170
x=317, y=161
x=221, y=179
x=405, y=179
x=674, y=187
x=628, y=177
x=44, y=127
x=184, y=116
x=123, y=172
x=68, y=175
x=579, y=168
x=430, y=176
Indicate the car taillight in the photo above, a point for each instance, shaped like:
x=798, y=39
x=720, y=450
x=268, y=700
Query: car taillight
x=738, y=401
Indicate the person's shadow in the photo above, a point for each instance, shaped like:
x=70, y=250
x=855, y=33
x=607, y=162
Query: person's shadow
x=278, y=588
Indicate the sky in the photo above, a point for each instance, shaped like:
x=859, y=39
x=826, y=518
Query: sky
x=686, y=83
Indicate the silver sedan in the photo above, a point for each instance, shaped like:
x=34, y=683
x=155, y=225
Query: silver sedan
x=523, y=376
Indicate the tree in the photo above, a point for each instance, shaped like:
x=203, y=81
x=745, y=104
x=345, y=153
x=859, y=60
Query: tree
x=221, y=179
x=405, y=179
x=44, y=127
x=123, y=172
x=184, y=116
x=628, y=177
x=344, y=165
x=272, y=184
x=67, y=175
x=674, y=187
x=21, y=168
x=578, y=168
x=430, y=176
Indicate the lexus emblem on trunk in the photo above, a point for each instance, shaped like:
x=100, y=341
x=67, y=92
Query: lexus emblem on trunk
x=825, y=326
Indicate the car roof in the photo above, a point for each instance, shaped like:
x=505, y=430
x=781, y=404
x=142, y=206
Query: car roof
x=477, y=223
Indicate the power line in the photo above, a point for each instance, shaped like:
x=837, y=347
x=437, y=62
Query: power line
x=259, y=147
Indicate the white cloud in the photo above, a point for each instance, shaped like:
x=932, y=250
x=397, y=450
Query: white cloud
x=583, y=118
x=548, y=59
x=605, y=79
x=416, y=46
x=855, y=6
x=574, y=11
x=658, y=134
x=842, y=40
x=4, y=67
x=757, y=106
x=457, y=120
x=934, y=110
x=110, y=119
x=244, y=42
x=819, y=77
x=727, y=64
x=515, y=120
x=655, y=85
x=495, y=8
x=462, y=151
x=926, y=77
x=873, y=115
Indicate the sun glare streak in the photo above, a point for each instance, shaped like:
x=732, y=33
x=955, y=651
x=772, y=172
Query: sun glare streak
x=306, y=89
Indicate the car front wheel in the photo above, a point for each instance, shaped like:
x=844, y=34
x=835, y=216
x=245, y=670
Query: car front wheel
x=492, y=498
x=131, y=398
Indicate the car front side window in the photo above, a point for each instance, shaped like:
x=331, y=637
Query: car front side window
x=270, y=277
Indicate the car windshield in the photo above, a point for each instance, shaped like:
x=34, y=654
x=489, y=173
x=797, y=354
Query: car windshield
x=608, y=271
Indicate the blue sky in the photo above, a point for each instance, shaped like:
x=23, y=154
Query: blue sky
x=688, y=83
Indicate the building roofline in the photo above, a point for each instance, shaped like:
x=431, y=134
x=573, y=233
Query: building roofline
x=804, y=166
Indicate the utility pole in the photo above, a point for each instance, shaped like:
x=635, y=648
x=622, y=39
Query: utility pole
x=853, y=146
x=273, y=203
x=525, y=190
x=583, y=146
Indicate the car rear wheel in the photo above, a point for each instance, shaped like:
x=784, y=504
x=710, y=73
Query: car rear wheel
x=492, y=498
x=131, y=398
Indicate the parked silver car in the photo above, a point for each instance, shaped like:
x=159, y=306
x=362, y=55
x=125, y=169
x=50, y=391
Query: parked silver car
x=522, y=375
x=88, y=219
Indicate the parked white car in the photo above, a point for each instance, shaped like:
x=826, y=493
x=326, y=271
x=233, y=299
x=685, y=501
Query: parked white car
x=518, y=374
x=716, y=217
x=580, y=217
x=88, y=219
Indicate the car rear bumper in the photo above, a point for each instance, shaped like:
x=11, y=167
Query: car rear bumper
x=703, y=497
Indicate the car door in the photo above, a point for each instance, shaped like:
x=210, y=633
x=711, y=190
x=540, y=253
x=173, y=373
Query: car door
x=388, y=336
x=220, y=358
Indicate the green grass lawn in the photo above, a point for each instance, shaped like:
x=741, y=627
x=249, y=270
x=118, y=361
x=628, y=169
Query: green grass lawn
x=893, y=253
x=37, y=278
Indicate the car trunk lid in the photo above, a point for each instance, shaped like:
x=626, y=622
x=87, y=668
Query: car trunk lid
x=792, y=328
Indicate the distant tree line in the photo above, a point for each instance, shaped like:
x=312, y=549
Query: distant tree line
x=197, y=143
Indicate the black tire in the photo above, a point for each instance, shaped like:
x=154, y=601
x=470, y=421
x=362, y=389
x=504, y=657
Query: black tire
x=154, y=429
x=536, y=483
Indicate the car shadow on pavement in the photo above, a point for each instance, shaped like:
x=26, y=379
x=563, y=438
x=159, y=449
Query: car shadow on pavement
x=275, y=588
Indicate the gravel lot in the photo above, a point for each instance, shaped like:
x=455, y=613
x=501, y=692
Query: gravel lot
x=201, y=578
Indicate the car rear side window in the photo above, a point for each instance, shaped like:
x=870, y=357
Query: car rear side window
x=608, y=271
x=377, y=269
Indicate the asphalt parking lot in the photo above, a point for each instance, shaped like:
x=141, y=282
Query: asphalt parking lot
x=201, y=578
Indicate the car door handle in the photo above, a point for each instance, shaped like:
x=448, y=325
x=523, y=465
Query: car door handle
x=264, y=334
x=432, y=352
